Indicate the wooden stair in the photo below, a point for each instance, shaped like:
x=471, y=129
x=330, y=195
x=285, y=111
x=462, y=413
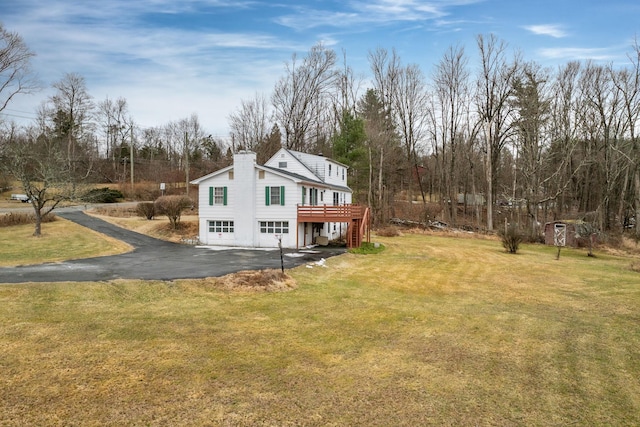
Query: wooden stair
x=357, y=217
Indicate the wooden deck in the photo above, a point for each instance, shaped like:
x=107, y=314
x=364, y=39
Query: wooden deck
x=330, y=213
x=356, y=216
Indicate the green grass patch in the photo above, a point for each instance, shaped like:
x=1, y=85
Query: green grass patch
x=367, y=248
x=432, y=331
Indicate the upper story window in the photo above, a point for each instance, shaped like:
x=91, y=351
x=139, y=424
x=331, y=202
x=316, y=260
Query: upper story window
x=217, y=196
x=343, y=174
x=274, y=196
x=282, y=165
x=329, y=169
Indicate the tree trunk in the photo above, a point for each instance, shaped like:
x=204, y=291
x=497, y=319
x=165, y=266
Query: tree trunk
x=489, y=179
x=381, y=203
x=38, y=214
x=637, y=202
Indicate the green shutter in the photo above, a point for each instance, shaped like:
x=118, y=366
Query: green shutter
x=224, y=196
x=210, y=196
x=282, y=195
x=304, y=193
x=267, y=196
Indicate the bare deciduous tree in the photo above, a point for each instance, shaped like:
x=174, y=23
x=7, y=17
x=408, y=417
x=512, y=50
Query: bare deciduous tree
x=39, y=162
x=112, y=115
x=300, y=96
x=494, y=89
x=402, y=90
x=627, y=81
x=16, y=75
x=189, y=135
x=250, y=123
x=71, y=111
x=452, y=98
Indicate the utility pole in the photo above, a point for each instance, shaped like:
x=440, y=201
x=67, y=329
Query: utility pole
x=131, y=156
x=186, y=160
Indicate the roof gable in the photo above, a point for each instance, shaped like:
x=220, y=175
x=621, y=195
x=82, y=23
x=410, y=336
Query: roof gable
x=211, y=175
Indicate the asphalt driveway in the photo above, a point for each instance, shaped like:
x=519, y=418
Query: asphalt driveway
x=154, y=259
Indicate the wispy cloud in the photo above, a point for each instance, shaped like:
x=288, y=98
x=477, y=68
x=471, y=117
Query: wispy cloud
x=375, y=12
x=169, y=58
x=577, y=53
x=551, y=30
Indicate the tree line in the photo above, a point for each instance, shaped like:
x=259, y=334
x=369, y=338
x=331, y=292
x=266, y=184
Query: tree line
x=481, y=138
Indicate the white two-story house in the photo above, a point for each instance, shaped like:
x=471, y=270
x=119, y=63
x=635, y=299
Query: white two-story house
x=295, y=198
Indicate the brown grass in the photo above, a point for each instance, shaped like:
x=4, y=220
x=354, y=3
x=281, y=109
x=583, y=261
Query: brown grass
x=388, y=231
x=20, y=218
x=432, y=331
x=117, y=211
x=158, y=227
x=252, y=281
x=61, y=240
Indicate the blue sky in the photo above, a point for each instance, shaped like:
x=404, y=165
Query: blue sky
x=172, y=58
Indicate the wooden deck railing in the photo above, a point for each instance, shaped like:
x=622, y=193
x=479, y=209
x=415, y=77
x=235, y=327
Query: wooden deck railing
x=330, y=213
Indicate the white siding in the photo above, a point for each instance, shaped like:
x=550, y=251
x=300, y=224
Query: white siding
x=288, y=212
x=293, y=164
x=338, y=174
x=216, y=212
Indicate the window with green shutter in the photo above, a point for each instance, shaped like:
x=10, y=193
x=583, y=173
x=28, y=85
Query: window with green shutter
x=274, y=196
x=218, y=196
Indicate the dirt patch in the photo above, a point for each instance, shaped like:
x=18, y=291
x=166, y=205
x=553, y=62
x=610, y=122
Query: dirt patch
x=254, y=281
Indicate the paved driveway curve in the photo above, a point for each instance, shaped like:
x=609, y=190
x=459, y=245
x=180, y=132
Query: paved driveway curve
x=155, y=259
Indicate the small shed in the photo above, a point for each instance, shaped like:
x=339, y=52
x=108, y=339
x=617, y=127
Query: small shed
x=561, y=233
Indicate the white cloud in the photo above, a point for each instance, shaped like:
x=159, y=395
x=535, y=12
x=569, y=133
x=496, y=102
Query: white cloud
x=577, y=53
x=164, y=73
x=374, y=12
x=551, y=30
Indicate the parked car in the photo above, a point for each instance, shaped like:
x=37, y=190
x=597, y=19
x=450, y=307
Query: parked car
x=20, y=197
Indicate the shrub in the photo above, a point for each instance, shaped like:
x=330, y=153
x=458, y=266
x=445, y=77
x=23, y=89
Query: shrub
x=146, y=209
x=367, y=248
x=20, y=218
x=511, y=238
x=172, y=207
x=102, y=195
x=389, y=231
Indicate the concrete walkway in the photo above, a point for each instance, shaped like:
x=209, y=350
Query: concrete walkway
x=154, y=259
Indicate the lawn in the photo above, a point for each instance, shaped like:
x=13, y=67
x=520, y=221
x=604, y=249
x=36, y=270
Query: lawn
x=61, y=240
x=431, y=331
